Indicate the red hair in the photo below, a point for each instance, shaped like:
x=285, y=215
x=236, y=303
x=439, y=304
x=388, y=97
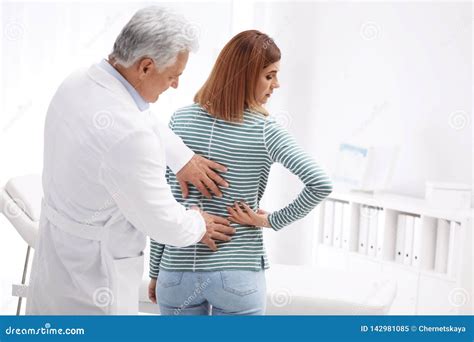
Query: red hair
x=230, y=88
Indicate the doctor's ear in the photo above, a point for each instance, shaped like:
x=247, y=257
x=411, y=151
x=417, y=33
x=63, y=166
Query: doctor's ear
x=145, y=66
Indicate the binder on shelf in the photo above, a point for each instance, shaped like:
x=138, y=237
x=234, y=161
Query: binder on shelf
x=328, y=222
x=380, y=232
x=363, y=229
x=408, y=248
x=442, y=242
x=318, y=220
x=372, y=241
x=453, y=242
x=347, y=228
x=417, y=242
x=337, y=236
x=428, y=244
x=400, y=238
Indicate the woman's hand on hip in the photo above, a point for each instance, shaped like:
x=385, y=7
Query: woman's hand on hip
x=243, y=214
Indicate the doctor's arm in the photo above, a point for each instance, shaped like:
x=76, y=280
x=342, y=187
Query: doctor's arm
x=189, y=167
x=133, y=172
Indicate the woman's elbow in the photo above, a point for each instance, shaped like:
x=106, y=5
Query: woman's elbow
x=328, y=187
x=322, y=189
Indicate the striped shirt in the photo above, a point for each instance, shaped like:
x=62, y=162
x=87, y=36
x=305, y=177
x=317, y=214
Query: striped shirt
x=247, y=149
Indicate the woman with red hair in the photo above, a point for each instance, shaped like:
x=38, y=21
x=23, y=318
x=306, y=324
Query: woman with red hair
x=229, y=124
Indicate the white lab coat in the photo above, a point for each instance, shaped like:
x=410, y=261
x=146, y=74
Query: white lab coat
x=104, y=192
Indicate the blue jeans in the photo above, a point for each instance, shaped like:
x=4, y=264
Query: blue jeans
x=211, y=293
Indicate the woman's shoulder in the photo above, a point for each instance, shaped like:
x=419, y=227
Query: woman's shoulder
x=191, y=109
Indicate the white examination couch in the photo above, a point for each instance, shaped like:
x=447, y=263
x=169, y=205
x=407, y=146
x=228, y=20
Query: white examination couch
x=292, y=290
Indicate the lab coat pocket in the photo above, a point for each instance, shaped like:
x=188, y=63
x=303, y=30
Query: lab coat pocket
x=129, y=276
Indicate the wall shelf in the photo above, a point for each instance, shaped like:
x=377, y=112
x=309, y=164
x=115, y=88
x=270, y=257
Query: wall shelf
x=424, y=287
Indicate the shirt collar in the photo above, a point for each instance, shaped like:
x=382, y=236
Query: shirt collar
x=139, y=101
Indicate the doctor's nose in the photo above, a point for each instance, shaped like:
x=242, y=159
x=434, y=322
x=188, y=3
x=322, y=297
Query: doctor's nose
x=175, y=84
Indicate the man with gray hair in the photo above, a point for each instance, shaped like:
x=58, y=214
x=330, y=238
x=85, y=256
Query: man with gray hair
x=104, y=175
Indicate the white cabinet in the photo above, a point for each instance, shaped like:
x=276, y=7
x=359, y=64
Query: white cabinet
x=361, y=263
x=423, y=288
x=439, y=296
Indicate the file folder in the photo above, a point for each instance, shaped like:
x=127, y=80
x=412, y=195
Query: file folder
x=347, y=228
x=373, y=221
x=337, y=224
x=380, y=233
x=442, y=243
x=363, y=229
x=400, y=242
x=328, y=222
x=408, y=248
x=417, y=242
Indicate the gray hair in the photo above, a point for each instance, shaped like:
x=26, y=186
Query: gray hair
x=157, y=33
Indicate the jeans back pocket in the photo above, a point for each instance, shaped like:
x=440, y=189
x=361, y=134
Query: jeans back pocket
x=241, y=283
x=169, y=279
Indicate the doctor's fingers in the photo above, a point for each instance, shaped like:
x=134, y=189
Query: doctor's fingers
x=213, y=165
x=209, y=242
x=202, y=189
x=209, y=183
x=216, y=219
x=220, y=228
x=184, y=188
x=220, y=236
x=217, y=178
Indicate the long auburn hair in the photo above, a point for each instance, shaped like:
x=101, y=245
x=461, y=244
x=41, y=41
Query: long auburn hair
x=230, y=88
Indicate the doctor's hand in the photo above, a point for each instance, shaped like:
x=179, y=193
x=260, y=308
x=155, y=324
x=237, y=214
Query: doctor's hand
x=201, y=172
x=152, y=290
x=217, y=229
x=243, y=214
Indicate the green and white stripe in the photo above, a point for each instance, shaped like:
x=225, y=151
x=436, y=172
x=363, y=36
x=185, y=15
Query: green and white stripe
x=248, y=150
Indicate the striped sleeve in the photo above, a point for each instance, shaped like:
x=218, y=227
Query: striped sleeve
x=283, y=149
x=156, y=252
x=157, y=249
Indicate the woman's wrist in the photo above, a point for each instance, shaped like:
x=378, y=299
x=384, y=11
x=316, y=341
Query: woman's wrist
x=265, y=221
